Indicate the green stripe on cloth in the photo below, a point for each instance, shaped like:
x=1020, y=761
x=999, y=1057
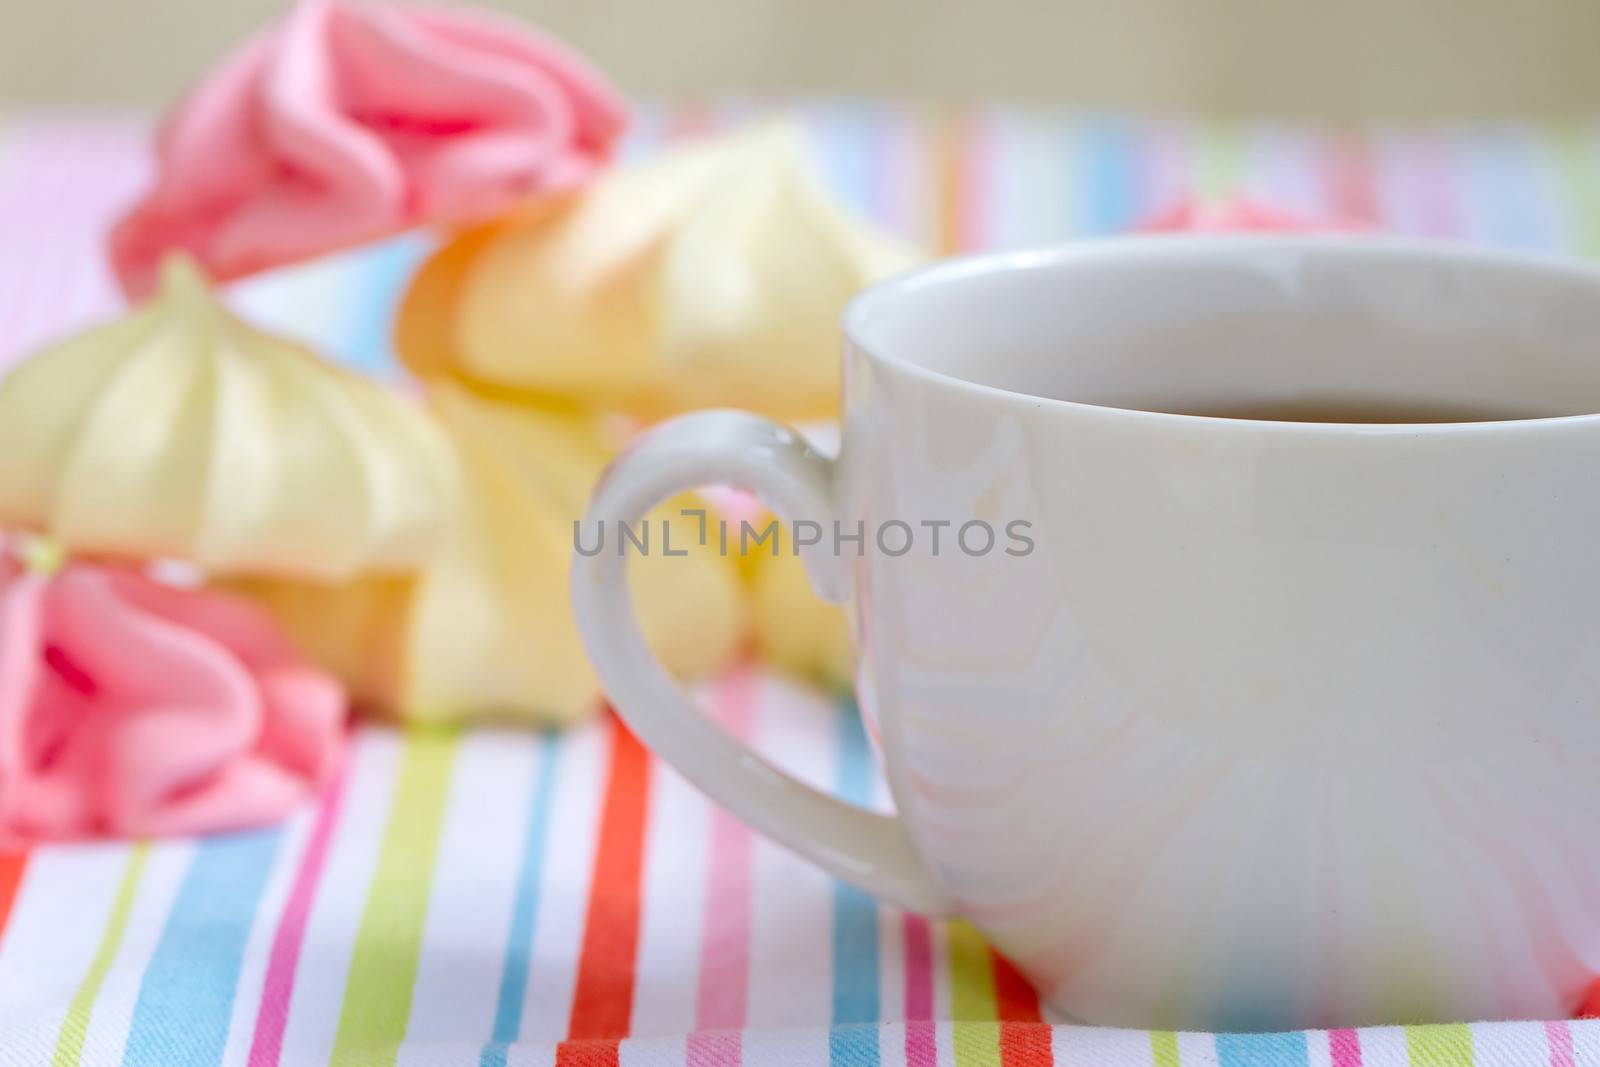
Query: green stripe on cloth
x=1580, y=186
x=1219, y=159
x=383, y=969
x=972, y=997
x=1164, y=1048
x=75, y=1028
x=1439, y=1046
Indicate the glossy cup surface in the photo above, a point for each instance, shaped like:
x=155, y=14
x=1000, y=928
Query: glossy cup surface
x=1277, y=724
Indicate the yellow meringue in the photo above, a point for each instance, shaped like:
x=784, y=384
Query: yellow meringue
x=794, y=628
x=713, y=275
x=486, y=628
x=179, y=431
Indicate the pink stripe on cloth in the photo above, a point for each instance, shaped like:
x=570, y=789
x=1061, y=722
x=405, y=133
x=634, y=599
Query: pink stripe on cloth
x=921, y=1050
x=714, y=1048
x=61, y=181
x=1559, y=1035
x=271, y=1018
x=725, y=949
x=1438, y=203
x=1344, y=1048
x=33, y=188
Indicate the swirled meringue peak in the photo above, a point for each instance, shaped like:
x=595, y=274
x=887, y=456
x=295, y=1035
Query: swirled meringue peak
x=180, y=432
x=486, y=629
x=348, y=122
x=713, y=274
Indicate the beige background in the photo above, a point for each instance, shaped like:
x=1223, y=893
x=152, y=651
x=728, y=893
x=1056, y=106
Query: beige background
x=1332, y=58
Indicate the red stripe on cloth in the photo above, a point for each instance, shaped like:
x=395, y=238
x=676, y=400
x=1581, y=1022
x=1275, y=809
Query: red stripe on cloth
x=1015, y=1000
x=1589, y=1007
x=1352, y=184
x=12, y=864
x=1026, y=1045
x=602, y=1003
x=1024, y=1037
x=588, y=1054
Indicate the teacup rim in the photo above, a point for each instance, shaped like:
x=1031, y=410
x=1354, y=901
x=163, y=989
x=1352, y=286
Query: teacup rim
x=972, y=264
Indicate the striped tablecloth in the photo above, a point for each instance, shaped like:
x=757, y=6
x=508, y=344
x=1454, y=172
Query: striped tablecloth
x=496, y=897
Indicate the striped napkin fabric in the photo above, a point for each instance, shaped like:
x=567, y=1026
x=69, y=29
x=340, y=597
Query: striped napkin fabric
x=493, y=897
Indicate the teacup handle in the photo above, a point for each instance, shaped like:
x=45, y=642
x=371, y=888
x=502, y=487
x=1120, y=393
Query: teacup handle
x=732, y=448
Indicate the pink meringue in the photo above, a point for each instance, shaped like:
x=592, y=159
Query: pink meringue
x=133, y=708
x=346, y=122
x=1238, y=215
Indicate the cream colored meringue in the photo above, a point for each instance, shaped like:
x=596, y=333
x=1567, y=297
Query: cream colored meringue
x=794, y=628
x=486, y=628
x=181, y=432
x=712, y=275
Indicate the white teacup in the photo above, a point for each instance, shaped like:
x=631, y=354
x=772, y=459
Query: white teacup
x=1270, y=724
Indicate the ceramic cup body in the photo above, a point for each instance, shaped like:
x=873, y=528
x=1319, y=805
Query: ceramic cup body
x=1269, y=724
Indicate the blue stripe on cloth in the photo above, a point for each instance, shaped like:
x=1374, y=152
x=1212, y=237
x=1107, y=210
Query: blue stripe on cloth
x=1105, y=154
x=855, y=914
x=848, y=141
x=855, y=918
x=1262, y=1050
x=1504, y=203
x=524, y=910
x=186, y=999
